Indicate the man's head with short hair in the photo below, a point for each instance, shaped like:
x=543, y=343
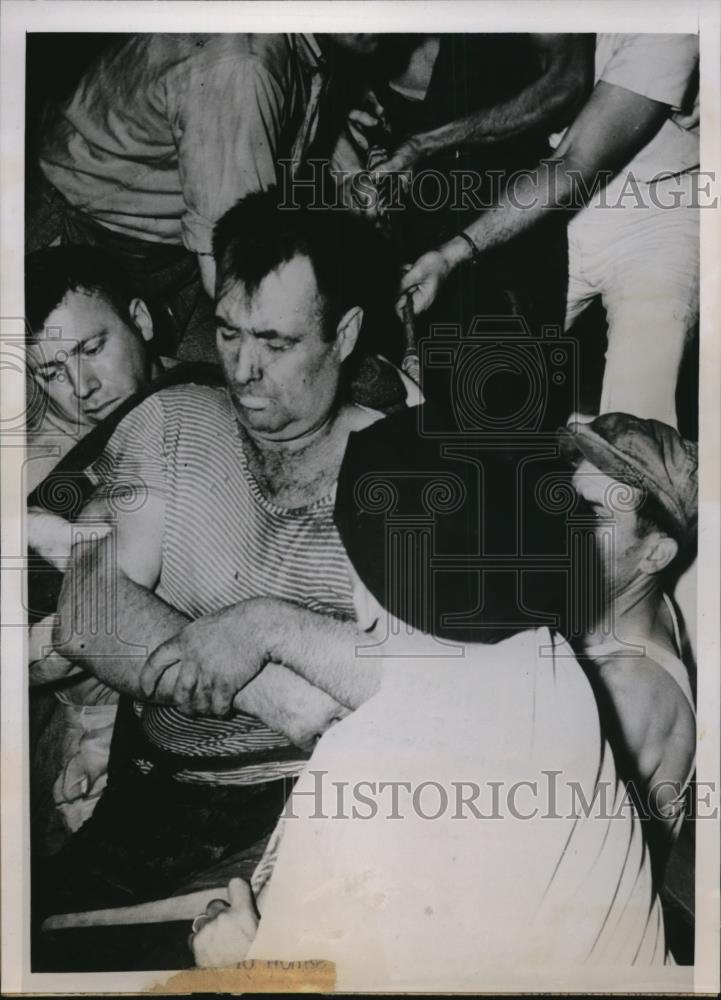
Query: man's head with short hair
x=88, y=336
x=640, y=475
x=260, y=233
x=294, y=286
x=54, y=271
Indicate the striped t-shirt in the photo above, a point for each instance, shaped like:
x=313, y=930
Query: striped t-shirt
x=223, y=542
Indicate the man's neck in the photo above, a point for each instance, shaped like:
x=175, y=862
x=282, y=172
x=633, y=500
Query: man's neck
x=296, y=472
x=638, y=610
x=291, y=447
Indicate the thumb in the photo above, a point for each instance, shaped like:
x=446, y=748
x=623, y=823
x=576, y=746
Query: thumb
x=239, y=894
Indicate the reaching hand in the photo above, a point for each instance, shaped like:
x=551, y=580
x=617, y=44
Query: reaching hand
x=402, y=160
x=422, y=281
x=202, y=668
x=224, y=933
x=349, y=161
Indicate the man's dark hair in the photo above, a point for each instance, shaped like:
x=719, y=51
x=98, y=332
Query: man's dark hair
x=351, y=263
x=54, y=271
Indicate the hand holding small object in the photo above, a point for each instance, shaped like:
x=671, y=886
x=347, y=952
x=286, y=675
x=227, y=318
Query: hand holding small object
x=223, y=934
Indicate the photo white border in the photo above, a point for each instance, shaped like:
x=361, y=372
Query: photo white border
x=20, y=16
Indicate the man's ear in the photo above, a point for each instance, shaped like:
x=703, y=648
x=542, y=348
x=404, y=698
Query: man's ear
x=347, y=331
x=140, y=315
x=659, y=552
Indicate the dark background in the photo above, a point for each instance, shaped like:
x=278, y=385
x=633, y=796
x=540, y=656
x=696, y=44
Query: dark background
x=54, y=65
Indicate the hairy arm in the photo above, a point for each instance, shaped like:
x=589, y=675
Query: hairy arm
x=323, y=650
x=548, y=102
x=612, y=127
x=109, y=619
x=318, y=648
x=566, y=75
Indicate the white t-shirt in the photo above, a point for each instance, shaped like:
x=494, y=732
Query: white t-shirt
x=439, y=898
x=662, y=68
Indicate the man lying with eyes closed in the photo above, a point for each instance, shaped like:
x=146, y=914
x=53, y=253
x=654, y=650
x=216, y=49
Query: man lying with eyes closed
x=227, y=523
x=91, y=356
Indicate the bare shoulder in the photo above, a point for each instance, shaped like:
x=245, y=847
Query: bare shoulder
x=653, y=710
x=641, y=681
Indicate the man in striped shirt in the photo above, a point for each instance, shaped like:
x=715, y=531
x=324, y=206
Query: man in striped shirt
x=222, y=503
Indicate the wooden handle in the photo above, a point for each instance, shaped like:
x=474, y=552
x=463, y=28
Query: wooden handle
x=409, y=326
x=157, y=911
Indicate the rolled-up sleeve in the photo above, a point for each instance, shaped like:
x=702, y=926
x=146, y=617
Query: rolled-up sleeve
x=227, y=129
x=660, y=67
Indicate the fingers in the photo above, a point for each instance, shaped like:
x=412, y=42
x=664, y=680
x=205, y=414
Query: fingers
x=421, y=283
x=157, y=663
x=165, y=689
x=363, y=119
x=221, y=699
x=374, y=105
x=212, y=910
x=223, y=933
x=412, y=290
x=216, y=906
x=184, y=693
x=358, y=124
x=390, y=166
x=358, y=137
x=223, y=940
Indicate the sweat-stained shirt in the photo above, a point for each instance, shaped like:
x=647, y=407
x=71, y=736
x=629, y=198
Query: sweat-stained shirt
x=167, y=131
x=223, y=541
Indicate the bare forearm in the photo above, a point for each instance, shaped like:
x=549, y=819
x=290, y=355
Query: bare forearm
x=549, y=102
x=536, y=107
x=523, y=205
x=289, y=704
x=612, y=127
x=323, y=650
x=107, y=623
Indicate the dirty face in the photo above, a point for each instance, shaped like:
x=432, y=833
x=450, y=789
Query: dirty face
x=281, y=370
x=614, y=507
x=88, y=359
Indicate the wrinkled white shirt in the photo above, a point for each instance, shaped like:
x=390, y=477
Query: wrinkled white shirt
x=167, y=131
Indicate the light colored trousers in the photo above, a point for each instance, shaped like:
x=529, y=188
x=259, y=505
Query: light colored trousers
x=643, y=260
